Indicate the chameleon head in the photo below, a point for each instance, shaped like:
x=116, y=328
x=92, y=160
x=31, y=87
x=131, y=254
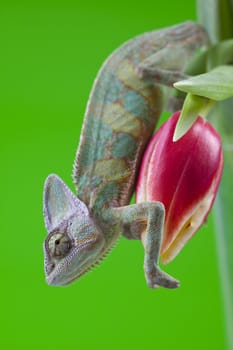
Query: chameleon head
x=74, y=242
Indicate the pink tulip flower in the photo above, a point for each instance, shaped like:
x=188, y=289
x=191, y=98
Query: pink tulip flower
x=184, y=176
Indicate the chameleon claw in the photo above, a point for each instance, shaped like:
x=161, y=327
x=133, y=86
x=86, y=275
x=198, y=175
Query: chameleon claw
x=158, y=278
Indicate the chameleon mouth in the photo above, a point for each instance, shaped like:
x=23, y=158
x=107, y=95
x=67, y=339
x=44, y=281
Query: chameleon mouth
x=70, y=268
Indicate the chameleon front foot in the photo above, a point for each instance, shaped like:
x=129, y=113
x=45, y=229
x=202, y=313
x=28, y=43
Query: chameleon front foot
x=156, y=277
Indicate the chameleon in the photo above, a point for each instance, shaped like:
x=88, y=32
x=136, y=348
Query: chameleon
x=125, y=103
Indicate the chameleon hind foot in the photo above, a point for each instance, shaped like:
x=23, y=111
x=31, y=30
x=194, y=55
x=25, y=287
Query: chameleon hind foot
x=165, y=66
x=157, y=277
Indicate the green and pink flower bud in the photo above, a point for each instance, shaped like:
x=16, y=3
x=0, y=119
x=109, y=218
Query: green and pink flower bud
x=184, y=176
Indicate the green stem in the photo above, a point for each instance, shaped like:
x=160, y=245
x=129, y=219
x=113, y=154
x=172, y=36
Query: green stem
x=217, y=17
x=223, y=215
x=219, y=24
x=224, y=244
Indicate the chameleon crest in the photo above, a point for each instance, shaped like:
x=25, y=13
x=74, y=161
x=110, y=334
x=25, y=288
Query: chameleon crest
x=124, y=106
x=74, y=239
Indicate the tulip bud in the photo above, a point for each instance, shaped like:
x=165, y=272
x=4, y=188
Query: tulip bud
x=184, y=176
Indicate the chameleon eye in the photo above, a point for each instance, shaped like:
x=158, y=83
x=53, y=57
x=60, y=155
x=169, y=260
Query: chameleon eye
x=59, y=245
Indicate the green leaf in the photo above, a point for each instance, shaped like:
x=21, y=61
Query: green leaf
x=193, y=107
x=216, y=84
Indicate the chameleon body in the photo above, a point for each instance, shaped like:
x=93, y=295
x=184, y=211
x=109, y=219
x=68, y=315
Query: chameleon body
x=124, y=106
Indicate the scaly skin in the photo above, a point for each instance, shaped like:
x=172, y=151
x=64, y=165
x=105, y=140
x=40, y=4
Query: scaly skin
x=122, y=111
x=121, y=115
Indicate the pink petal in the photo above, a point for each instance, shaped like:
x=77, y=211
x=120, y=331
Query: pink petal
x=184, y=176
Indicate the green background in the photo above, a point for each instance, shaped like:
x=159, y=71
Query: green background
x=50, y=54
